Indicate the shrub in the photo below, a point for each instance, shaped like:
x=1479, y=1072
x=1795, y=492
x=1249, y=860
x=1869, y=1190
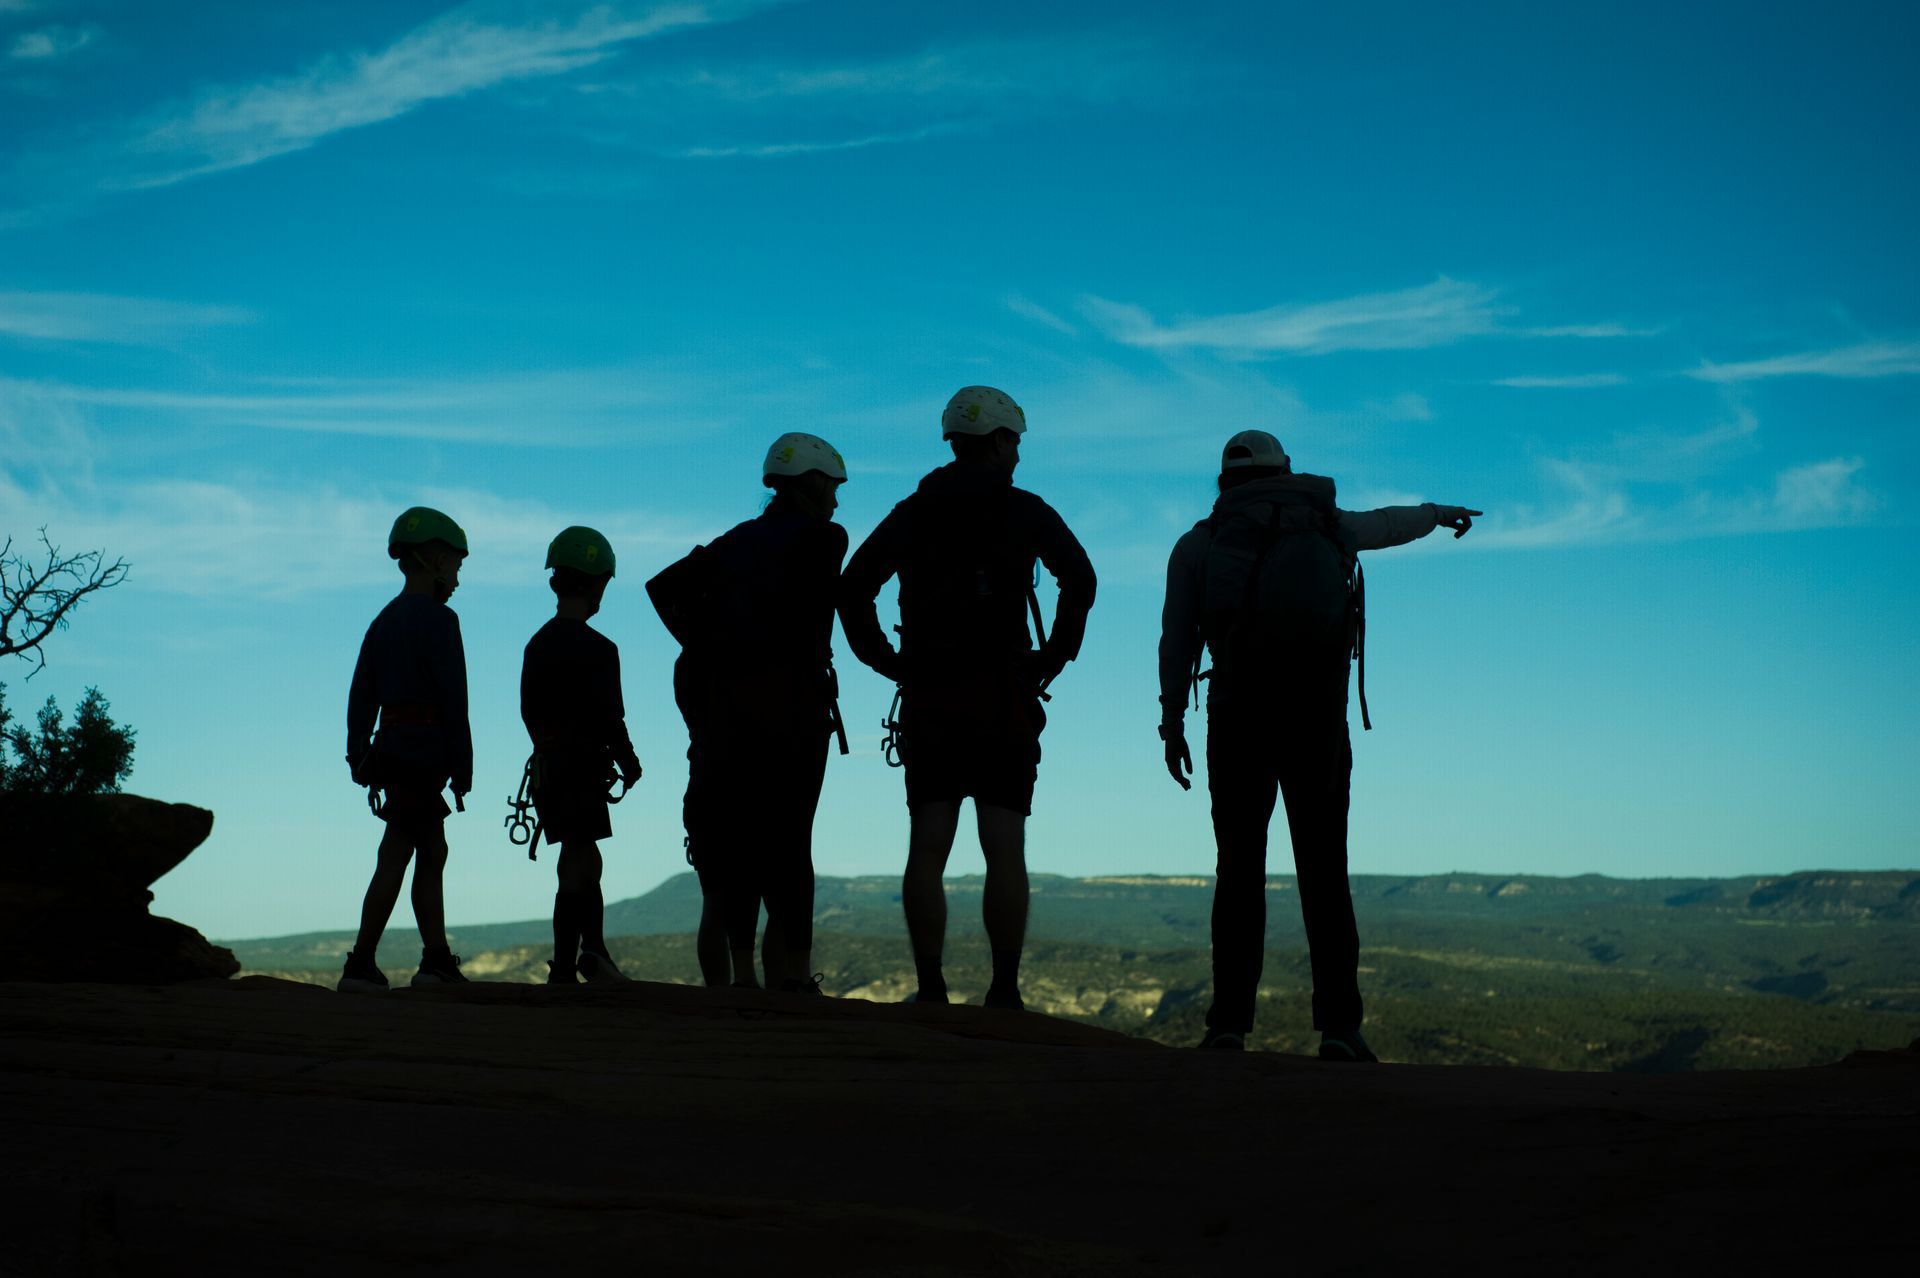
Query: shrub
x=92, y=757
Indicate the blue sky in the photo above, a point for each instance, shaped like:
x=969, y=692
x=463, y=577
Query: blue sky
x=1639, y=281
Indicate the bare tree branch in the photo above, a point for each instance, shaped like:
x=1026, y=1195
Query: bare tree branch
x=36, y=597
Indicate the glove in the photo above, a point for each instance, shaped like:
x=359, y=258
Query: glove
x=1179, y=758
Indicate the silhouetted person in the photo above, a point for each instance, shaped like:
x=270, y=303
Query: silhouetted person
x=412, y=678
x=1269, y=583
x=963, y=546
x=753, y=612
x=570, y=701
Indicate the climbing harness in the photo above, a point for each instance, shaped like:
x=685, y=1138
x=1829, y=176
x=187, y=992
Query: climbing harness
x=524, y=830
x=521, y=829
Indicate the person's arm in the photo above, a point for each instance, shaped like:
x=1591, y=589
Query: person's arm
x=1072, y=571
x=459, y=731
x=1180, y=644
x=363, y=707
x=1398, y=525
x=833, y=557
x=621, y=742
x=877, y=560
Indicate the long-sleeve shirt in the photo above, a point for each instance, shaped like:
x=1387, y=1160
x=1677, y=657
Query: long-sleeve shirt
x=964, y=546
x=1180, y=637
x=411, y=676
x=570, y=692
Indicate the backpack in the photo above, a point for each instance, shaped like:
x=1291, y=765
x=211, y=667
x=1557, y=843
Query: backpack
x=1281, y=591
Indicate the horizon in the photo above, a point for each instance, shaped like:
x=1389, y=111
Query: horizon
x=269, y=276
x=967, y=925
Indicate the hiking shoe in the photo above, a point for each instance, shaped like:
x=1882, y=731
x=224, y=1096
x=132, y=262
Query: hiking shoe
x=361, y=977
x=1222, y=1040
x=923, y=996
x=558, y=975
x=1346, y=1046
x=794, y=985
x=599, y=969
x=1008, y=1000
x=439, y=969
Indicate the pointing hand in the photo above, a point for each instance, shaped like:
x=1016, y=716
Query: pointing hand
x=1458, y=518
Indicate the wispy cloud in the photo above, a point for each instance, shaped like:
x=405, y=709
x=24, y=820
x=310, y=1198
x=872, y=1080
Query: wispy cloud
x=201, y=538
x=100, y=317
x=1027, y=308
x=49, y=44
x=1091, y=67
x=1574, y=382
x=1595, y=506
x=1591, y=330
x=769, y=150
x=1436, y=314
x=1868, y=359
x=459, y=53
x=1824, y=493
x=1430, y=315
x=574, y=407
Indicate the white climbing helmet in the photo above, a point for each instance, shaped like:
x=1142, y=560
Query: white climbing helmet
x=796, y=454
x=1254, y=448
x=981, y=410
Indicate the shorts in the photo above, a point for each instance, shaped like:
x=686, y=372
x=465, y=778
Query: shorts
x=747, y=792
x=410, y=795
x=975, y=738
x=571, y=798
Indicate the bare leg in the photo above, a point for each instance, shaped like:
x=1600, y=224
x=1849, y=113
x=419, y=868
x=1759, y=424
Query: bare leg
x=429, y=902
x=773, y=954
x=383, y=892
x=711, y=949
x=923, y=892
x=1003, y=906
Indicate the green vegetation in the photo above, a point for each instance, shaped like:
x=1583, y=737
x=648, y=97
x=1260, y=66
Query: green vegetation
x=1588, y=973
x=92, y=757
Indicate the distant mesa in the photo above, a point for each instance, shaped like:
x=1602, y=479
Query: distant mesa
x=80, y=866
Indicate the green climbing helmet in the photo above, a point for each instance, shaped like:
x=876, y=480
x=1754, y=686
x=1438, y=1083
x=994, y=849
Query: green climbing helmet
x=583, y=550
x=418, y=525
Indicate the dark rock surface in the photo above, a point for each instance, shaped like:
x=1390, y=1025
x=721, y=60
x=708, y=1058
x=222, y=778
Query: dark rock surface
x=74, y=874
x=258, y=1126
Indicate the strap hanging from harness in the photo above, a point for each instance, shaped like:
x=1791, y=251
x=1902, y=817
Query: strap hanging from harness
x=1357, y=602
x=1039, y=630
x=833, y=707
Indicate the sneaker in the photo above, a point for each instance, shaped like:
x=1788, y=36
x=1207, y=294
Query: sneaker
x=794, y=985
x=557, y=975
x=1346, y=1046
x=1008, y=1000
x=599, y=969
x=1222, y=1040
x=439, y=969
x=361, y=976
